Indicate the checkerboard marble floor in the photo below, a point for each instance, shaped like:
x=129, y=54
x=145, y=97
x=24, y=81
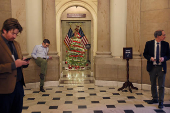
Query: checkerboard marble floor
x=88, y=98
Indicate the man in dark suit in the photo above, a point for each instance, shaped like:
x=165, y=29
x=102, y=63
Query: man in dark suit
x=11, y=64
x=157, y=52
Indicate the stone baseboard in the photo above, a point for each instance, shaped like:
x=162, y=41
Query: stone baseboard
x=120, y=84
x=37, y=84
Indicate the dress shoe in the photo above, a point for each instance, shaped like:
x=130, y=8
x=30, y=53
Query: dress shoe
x=160, y=105
x=153, y=101
x=42, y=89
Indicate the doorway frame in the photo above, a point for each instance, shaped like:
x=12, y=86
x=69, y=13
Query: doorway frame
x=92, y=8
x=62, y=43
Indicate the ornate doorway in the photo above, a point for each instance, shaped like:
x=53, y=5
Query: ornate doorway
x=76, y=57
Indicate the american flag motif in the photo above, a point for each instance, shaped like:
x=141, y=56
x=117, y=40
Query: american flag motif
x=67, y=39
x=83, y=38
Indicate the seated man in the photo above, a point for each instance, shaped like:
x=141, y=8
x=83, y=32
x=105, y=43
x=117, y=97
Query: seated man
x=40, y=55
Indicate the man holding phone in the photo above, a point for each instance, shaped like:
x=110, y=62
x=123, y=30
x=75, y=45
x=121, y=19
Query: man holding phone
x=39, y=53
x=157, y=52
x=27, y=59
x=11, y=65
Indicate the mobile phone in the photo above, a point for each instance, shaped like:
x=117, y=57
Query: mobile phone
x=27, y=59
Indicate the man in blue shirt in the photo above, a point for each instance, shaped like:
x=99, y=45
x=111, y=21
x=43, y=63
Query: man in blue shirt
x=39, y=53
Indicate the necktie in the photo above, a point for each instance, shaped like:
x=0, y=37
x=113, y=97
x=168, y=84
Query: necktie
x=11, y=47
x=157, y=53
x=13, y=50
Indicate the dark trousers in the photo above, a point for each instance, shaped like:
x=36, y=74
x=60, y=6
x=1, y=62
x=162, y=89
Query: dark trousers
x=155, y=73
x=12, y=103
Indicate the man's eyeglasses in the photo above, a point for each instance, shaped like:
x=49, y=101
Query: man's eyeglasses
x=47, y=45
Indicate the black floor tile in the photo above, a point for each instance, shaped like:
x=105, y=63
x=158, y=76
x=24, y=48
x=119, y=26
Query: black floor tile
x=60, y=86
x=82, y=107
x=124, y=90
x=69, y=94
x=67, y=111
x=25, y=107
x=53, y=107
x=80, y=86
x=115, y=93
x=106, y=97
x=36, y=91
x=30, y=98
x=111, y=88
x=58, y=92
x=90, y=88
x=146, y=101
x=110, y=106
x=159, y=111
x=98, y=111
x=94, y=101
x=45, y=94
x=36, y=112
x=100, y=86
x=92, y=94
x=56, y=98
x=130, y=97
x=139, y=93
x=49, y=89
x=41, y=102
x=121, y=101
x=81, y=98
x=68, y=102
x=139, y=105
x=128, y=111
x=80, y=91
x=102, y=90
x=69, y=88
x=167, y=105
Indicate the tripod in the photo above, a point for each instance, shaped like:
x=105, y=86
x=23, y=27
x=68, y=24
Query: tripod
x=128, y=83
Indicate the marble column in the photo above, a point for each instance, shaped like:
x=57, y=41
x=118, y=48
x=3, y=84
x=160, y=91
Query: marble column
x=133, y=26
x=33, y=23
x=103, y=29
x=118, y=20
x=49, y=24
x=19, y=12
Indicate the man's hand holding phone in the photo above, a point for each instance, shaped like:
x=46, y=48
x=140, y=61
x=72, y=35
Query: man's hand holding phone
x=27, y=59
x=19, y=62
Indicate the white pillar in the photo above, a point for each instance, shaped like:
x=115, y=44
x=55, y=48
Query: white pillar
x=118, y=17
x=33, y=23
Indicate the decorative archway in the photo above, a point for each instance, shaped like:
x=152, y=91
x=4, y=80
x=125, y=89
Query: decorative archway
x=62, y=6
x=91, y=7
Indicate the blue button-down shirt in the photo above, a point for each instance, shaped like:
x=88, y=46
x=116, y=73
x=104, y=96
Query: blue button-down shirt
x=40, y=51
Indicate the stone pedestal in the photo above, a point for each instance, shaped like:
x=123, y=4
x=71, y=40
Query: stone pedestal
x=32, y=72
